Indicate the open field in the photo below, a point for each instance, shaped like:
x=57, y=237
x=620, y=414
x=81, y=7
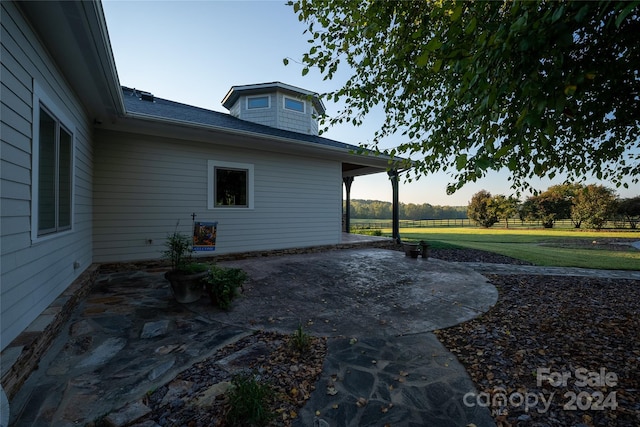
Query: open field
x=550, y=247
x=364, y=223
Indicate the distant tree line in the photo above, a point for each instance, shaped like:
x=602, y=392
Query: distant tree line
x=376, y=209
x=590, y=206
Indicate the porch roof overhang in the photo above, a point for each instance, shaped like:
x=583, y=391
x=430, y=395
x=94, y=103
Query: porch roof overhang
x=75, y=34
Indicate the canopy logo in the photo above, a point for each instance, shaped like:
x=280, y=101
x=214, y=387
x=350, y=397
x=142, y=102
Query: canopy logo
x=498, y=400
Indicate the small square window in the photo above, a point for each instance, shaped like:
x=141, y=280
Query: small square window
x=294, y=104
x=257, y=102
x=230, y=185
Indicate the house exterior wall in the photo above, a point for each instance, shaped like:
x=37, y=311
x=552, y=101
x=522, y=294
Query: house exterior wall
x=143, y=185
x=293, y=120
x=34, y=272
x=235, y=110
x=264, y=116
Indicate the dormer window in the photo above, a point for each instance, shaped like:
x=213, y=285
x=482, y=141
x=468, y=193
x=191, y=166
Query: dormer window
x=255, y=102
x=293, y=104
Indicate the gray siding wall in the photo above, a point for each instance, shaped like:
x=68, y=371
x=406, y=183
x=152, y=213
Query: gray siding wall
x=144, y=185
x=34, y=273
x=235, y=110
x=263, y=116
x=294, y=120
x=277, y=116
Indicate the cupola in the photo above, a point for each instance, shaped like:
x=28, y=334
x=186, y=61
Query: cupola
x=277, y=105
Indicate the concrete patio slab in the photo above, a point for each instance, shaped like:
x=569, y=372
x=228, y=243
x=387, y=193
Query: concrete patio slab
x=358, y=292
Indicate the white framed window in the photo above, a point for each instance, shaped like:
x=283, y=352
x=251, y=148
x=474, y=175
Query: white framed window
x=52, y=172
x=294, y=104
x=230, y=185
x=256, y=102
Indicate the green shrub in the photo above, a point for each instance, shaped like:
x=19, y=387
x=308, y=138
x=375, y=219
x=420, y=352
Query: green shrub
x=222, y=284
x=177, y=251
x=248, y=400
x=300, y=340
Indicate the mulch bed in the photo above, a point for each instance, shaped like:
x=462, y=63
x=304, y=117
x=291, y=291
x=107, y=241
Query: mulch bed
x=570, y=326
x=585, y=329
x=474, y=255
x=269, y=356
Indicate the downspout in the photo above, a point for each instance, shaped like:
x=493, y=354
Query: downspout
x=348, y=180
x=395, y=226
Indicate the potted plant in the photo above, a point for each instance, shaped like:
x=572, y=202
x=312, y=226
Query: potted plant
x=222, y=284
x=411, y=249
x=186, y=276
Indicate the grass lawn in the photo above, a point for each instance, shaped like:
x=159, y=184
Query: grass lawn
x=551, y=247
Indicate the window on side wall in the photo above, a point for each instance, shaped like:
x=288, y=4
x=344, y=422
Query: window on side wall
x=53, y=147
x=230, y=185
x=255, y=102
x=293, y=104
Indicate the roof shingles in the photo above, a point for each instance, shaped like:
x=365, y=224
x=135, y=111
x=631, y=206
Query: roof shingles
x=170, y=110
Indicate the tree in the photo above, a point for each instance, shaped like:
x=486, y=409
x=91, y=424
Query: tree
x=481, y=210
x=552, y=204
x=536, y=87
x=630, y=210
x=504, y=207
x=560, y=199
x=595, y=205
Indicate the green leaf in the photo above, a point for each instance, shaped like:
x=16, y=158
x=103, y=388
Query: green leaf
x=433, y=45
x=483, y=163
x=285, y=61
x=423, y=59
x=502, y=151
x=625, y=12
x=471, y=26
x=436, y=66
x=570, y=90
x=456, y=13
x=305, y=71
x=558, y=14
x=582, y=13
x=461, y=161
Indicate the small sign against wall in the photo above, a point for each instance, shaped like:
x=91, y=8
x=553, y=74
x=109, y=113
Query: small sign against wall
x=204, y=236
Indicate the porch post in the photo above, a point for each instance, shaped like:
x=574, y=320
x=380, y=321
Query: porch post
x=395, y=226
x=348, y=180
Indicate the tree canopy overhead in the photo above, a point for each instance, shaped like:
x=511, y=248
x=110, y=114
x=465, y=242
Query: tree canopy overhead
x=539, y=88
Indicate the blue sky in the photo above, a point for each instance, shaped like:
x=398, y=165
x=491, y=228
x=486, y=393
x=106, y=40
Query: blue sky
x=194, y=51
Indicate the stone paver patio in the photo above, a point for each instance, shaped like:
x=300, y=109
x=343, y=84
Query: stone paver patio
x=129, y=336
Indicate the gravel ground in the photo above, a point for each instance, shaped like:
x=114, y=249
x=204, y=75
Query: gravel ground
x=569, y=341
x=584, y=329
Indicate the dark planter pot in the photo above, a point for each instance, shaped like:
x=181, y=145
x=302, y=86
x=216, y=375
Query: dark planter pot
x=411, y=249
x=424, y=249
x=186, y=288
